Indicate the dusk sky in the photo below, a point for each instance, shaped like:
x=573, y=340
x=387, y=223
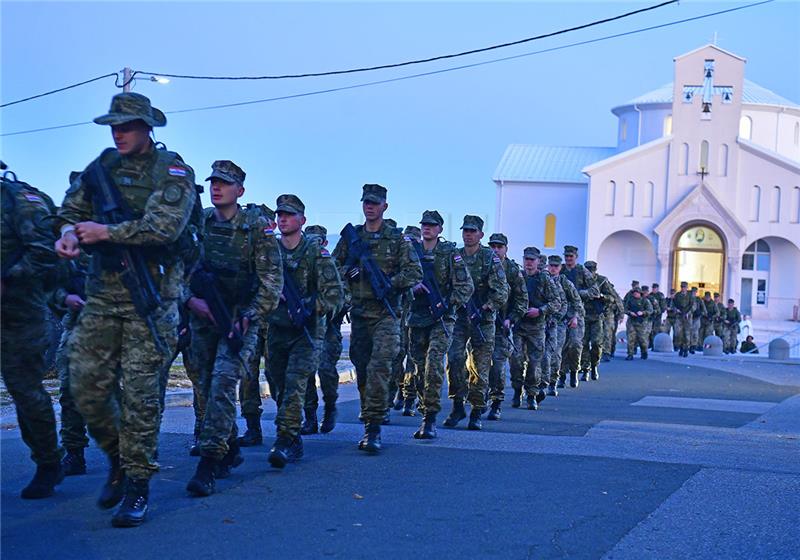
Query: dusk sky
x=434, y=141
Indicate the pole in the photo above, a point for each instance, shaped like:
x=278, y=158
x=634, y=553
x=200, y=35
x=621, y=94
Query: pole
x=126, y=79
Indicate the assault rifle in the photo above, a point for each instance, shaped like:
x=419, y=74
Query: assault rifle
x=475, y=313
x=130, y=261
x=359, y=255
x=299, y=312
x=436, y=303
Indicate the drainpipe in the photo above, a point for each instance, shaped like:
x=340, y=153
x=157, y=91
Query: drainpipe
x=638, y=125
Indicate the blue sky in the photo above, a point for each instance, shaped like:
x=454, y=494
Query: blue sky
x=433, y=141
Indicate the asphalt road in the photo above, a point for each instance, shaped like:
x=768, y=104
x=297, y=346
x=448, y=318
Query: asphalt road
x=655, y=460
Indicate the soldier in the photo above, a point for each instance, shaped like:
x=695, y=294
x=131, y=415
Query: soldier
x=475, y=325
x=615, y=310
x=638, y=309
x=552, y=349
x=707, y=322
x=310, y=280
x=656, y=298
x=584, y=282
x=629, y=294
x=608, y=301
x=718, y=326
x=238, y=284
x=250, y=385
x=529, y=334
x=698, y=312
x=730, y=324
x=683, y=302
x=669, y=324
x=592, y=298
x=648, y=324
x=115, y=337
x=379, y=264
x=430, y=338
x=570, y=327
x=330, y=351
x=28, y=260
x=507, y=317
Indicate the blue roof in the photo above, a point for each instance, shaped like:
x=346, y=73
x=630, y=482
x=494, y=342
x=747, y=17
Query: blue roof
x=548, y=164
x=753, y=94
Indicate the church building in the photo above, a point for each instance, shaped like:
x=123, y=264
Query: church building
x=703, y=186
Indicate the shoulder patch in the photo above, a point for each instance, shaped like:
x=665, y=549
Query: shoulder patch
x=33, y=197
x=173, y=194
x=268, y=232
x=457, y=258
x=176, y=171
x=324, y=252
x=496, y=259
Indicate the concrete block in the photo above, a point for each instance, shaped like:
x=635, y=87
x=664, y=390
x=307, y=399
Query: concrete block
x=779, y=349
x=712, y=346
x=662, y=342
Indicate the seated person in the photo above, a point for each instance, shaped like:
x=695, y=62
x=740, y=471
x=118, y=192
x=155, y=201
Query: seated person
x=748, y=346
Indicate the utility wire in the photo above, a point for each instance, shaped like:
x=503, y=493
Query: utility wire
x=59, y=90
x=418, y=61
x=423, y=74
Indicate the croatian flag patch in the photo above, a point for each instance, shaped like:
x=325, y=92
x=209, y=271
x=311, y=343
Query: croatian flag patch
x=457, y=258
x=177, y=171
x=33, y=198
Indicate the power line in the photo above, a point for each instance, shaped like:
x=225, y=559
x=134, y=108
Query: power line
x=424, y=74
x=59, y=90
x=418, y=61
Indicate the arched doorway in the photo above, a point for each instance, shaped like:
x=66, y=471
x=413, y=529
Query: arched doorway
x=699, y=259
x=627, y=255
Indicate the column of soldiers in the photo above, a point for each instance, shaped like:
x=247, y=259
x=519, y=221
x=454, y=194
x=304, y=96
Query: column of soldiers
x=146, y=273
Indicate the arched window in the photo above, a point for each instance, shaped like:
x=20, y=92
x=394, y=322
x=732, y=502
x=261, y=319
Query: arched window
x=623, y=130
x=647, y=202
x=723, y=160
x=683, y=168
x=756, y=256
x=550, y=231
x=775, y=205
x=629, y=195
x=611, y=195
x=704, y=156
x=795, y=219
x=755, y=203
x=746, y=127
x=667, y=125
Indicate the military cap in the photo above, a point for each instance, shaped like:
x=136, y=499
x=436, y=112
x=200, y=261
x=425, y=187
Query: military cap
x=432, y=217
x=707, y=294
x=591, y=265
x=472, y=222
x=645, y=288
x=684, y=284
x=716, y=294
x=655, y=285
x=129, y=106
x=554, y=259
x=531, y=253
x=570, y=250
x=637, y=290
x=634, y=283
x=372, y=192
x=73, y=175
x=290, y=204
x=731, y=300
x=498, y=238
x=693, y=289
x=317, y=230
x=228, y=171
x=413, y=231
x=391, y=222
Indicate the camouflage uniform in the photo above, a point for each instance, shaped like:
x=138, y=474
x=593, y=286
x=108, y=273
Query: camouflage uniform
x=28, y=259
x=718, y=325
x=730, y=321
x=513, y=310
x=584, y=282
x=615, y=310
x=401, y=365
x=637, y=328
x=658, y=313
x=529, y=334
x=594, y=334
x=684, y=303
x=707, y=321
x=552, y=351
x=698, y=314
x=375, y=334
x=491, y=288
x=330, y=352
x=573, y=308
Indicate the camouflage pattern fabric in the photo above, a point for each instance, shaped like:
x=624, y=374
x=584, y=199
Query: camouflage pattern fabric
x=730, y=321
x=328, y=373
x=513, y=310
x=250, y=386
x=429, y=346
x=683, y=302
x=707, y=322
x=373, y=346
x=73, y=426
x=637, y=328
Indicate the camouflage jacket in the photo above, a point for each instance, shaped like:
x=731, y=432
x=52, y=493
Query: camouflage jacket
x=453, y=280
x=394, y=255
x=517, y=303
x=699, y=308
x=731, y=318
x=542, y=295
x=683, y=302
x=586, y=284
x=711, y=310
x=574, y=303
x=489, y=278
x=635, y=305
x=720, y=311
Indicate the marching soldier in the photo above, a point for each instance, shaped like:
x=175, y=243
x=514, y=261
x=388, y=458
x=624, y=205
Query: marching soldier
x=730, y=324
x=585, y=283
x=638, y=309
x=683, y=302
x=570, y=327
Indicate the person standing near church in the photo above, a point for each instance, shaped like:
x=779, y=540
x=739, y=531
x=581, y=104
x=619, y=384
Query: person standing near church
x=730, y=325
x=683, y=302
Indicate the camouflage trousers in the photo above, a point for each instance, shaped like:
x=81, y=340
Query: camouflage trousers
x=526, y=362
x=682, y=336
x=293, y=359
x=429, y=345
x=552, y=352
x=592, y=343
x=198, y=399
x=706, y=329
x=250, y=386
x=636, y=333
x=328, y=373
x=719, y=329
x=572, y=348
x=500, y=356
x=609, y=332
x=399, y=367
x=654, y=329
x=23, y=342
x=73, y=426
x=558, y=358
x=220, y=371
x=468, y=368
x=374, y=343
x=110, y=345
x=729, y=340
x=695, y=332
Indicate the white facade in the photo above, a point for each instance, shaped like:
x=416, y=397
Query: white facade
x=703, y=186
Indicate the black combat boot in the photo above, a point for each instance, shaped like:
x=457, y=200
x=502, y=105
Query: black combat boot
x=584, y=375
x=532, y=404
x=203, y=482
x=456, y=415
x=475, y=419
x=285, y=450
x=74, y=462
x=194, y=450
x=328, y=419
x=114, y=488
x=541, y=395
x=644, y=355
x=133, y=509
x=561, y=381
x=551, y=390
x=310, y=425
x=44, y=482
x=427, y=430
x=596, y=374
x=494, y=411
x=371, y=441
x=232, y=459
x=252, y=436
x=629, y=357
x=517, y=398
x=408, y=407
x=573, y=379
x=691, y=350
